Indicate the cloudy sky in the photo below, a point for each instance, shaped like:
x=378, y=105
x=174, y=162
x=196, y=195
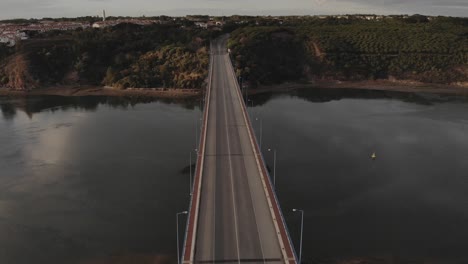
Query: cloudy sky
x=72, y=8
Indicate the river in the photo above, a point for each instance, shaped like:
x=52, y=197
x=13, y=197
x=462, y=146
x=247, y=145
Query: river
x=83, y=179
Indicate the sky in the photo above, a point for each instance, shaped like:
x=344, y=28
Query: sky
x=72, y=8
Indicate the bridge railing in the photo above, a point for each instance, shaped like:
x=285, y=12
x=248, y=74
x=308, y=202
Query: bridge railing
x=198, y=164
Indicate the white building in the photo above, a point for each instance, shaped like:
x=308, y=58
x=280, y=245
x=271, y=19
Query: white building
x=201, y=25
x=22, y=36
x=10, y=40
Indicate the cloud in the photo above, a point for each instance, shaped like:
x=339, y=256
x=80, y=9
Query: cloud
x=60, y=8
x=413, y=2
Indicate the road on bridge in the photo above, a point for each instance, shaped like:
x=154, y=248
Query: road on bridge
x=236, y=219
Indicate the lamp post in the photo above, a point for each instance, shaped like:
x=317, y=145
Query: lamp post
x=274, y=166
x=196, y=132
x=261, y=131
x=190, y=165
x=302, y=230
x=242, y=88
x=246, y=93
x=196, y=147
x=191, y=177
x=177, y=223
x=191, y=174
x=198, y=122
x=251, y=103
x=251, y=106
x=201, y=104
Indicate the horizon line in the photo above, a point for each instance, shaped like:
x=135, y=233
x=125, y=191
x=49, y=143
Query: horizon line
x=232, y=15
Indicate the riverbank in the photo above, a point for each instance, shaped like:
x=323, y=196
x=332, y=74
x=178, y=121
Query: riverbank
x=104, y=91
x=381, y=85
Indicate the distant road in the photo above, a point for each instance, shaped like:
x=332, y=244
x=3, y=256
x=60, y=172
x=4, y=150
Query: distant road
x=237, y=215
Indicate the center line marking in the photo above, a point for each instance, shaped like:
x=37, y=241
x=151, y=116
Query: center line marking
x=251, y=198
x=232, y=178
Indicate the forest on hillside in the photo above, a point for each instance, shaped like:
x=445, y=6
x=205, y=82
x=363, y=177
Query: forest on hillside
x=433, y=51
x=123, y=56
x=264, y=50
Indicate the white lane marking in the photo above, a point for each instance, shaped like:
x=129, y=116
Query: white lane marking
x=230, y=173
x=269, y=200
x=248, y=182
x=214, y=181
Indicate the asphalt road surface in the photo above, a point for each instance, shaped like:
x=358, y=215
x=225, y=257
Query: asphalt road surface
x=235, y=222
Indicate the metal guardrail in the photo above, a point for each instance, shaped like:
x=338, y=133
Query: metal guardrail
x=198, y=155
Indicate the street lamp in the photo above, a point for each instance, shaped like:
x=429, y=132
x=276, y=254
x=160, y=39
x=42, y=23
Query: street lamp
x=177, y=223
x=274, y=166
x=198, y=122
x=251, y=106
x=244, y=89
x=302, y=230
x=190, y=165
x=246, y=93
x=196, y=132
x=261, y=131
x=251, y=103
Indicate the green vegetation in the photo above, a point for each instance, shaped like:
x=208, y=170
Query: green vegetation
x=265, y=50
x=157, y=68
x=123, y=56
x=134, y=56
x=351, y=49
x=267, y=55
x=19, y=21
x=5, y=51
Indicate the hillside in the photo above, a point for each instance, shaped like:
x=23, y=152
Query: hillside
x=265, y=51
x=122, y=56
x=433, y=51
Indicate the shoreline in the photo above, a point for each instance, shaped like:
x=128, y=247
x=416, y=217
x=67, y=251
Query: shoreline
x=378, y=85
x=71, y=91
x=171, y=93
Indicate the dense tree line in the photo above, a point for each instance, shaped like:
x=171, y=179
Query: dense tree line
x=19, y=21
x=5, y=52
x=351, y=49
x=124, y=56
x=267, y=54
x=265, y=51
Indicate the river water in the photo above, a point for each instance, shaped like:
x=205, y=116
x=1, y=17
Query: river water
x=96, y=180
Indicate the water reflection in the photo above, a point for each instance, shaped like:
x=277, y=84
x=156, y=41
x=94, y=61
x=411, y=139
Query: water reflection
x=8, y=109
x=322, y=95
x=36, y=104
x=99, y=180
x=92, y=180
x=407, y=206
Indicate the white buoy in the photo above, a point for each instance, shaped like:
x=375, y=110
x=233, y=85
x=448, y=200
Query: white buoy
x=373, y=156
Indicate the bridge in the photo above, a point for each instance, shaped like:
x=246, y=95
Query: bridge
x=234, y=214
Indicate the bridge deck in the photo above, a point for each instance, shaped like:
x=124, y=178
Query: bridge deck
x=237, y=219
